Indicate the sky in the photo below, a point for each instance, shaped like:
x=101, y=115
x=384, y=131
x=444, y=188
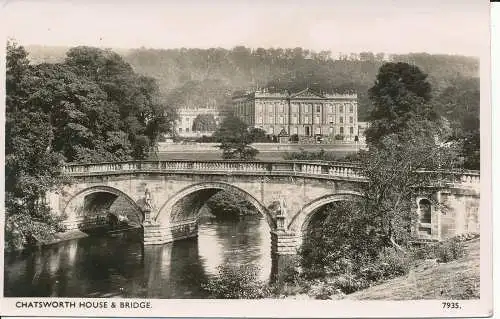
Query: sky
x=445, y=26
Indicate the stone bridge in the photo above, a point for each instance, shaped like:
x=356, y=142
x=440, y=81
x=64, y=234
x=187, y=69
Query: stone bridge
x=167, y=196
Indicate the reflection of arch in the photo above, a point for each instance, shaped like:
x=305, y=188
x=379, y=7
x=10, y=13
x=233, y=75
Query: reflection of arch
x=302, y=219
x=101, y=189
x=166, y=209
x=424, y=207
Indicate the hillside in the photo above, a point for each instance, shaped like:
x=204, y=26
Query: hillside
x=197, y=77
x=455, y=280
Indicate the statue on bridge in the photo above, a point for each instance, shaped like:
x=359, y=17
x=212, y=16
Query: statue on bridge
x=148, y=207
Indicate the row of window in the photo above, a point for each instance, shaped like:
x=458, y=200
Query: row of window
x=305, y=119
x=306, y=108
x=295, y=130
x=180, y=130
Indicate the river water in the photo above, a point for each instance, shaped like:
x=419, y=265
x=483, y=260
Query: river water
x=119, y=265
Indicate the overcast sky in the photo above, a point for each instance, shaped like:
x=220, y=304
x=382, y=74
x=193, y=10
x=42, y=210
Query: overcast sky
x=437, y=26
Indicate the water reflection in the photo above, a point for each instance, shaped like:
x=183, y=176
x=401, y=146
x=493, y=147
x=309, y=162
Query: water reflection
x=121, y=266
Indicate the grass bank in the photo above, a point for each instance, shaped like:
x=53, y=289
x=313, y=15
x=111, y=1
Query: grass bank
x=455, y=280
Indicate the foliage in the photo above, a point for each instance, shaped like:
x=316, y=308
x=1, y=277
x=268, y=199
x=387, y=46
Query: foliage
x=338, y=240
x=320, y=155
x=32, y=167
x=90, y=107
x=259, y=135
x=390, y=263
x=237, y=282
x=228, y=205
x=192, y=76
x=204, y=123
x=324, y=290
x=235, y=139
x=460, y=105
x=392, y=169
x=401, y=95
x=134, y=100
x=444, y=251
x=342, y=249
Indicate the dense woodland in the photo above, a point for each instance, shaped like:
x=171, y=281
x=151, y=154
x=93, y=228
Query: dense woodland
x=207, y=77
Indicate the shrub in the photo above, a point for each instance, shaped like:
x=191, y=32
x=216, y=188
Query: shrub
x=237, y=282
x=324, y=290
x=449, y=250
x=349, y=283
x=444, y=251
x=389, y=264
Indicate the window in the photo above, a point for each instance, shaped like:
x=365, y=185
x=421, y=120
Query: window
x=318, y=130
x=330, y=119
x=316, y=119
x=341, y=108
x=424, y=206
x=282, y=120
x=271, y=108
x=180, y=129
x=294, y=108
x=306, y=119
x=341, y=131
x=294, y=119
x=260, y=119
x=351, y=130
x=271, y=120
x=295, y=130
x=187, y=129
x=351, y=108
x=318, y=108
x=331, y=108
x=351, y=119
x=332, y=130
x=341, y=119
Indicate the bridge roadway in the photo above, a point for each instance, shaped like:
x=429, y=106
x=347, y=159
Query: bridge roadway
x=167, y=195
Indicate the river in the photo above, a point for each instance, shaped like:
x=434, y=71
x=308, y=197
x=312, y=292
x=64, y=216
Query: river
x=120, y=266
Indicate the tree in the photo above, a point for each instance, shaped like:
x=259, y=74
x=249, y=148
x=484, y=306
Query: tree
x=235, y=139
x=204, y=123
x=80, y=115
x=460, y=105
x=337, y=235
x=394, y=169
x=259, y=135
x=32, y=168
x=143, y=112
x=230, y=206
x=400, y=95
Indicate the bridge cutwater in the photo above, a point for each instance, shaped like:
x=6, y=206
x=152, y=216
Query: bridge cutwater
x=167, y=196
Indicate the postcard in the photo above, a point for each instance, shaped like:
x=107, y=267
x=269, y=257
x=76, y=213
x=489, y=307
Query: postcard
x=246, y=159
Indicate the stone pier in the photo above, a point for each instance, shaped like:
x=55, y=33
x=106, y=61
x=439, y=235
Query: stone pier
x=156, y=234
x=283, y=251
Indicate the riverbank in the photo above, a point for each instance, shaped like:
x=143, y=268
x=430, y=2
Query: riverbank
x=454, y=280
x=427, y=279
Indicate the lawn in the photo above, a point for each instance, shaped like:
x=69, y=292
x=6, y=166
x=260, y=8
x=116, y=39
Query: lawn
x=455, y=280
x=263, y=156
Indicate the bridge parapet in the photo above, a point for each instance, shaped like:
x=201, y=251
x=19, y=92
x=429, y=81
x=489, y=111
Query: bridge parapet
x=291, y=168
x=259, y=167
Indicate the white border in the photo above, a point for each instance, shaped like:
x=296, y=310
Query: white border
x=299, y=308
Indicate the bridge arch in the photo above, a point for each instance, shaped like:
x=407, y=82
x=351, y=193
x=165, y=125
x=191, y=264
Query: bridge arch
x=75, y=206
x=302, y=219
x=166, y=213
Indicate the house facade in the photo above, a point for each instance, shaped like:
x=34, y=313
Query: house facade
x=304, y=113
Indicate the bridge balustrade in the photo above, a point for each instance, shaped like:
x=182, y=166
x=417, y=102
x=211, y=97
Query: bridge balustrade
x=324, y=169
